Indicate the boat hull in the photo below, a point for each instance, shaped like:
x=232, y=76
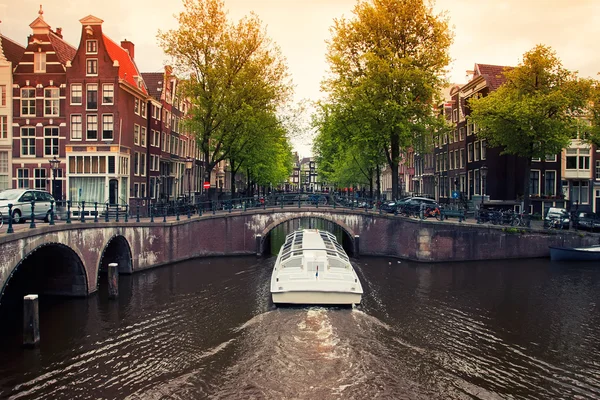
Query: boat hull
x=316, y=297
x=573, y=254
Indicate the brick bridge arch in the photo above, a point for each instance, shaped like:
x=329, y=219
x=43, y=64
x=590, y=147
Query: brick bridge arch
x=348, y=231
x=49, y=268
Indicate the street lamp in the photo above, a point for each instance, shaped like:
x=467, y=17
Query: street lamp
x=483, y=170
x=54, y=164
x=189, y=163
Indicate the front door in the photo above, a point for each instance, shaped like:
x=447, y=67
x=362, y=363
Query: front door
x=57, y=190
x=113, y=191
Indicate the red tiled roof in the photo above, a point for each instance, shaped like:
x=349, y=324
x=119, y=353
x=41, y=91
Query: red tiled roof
x=64, y=51
x=154, y=82
x=127, y=68
x=493, y=74
x=12, y=50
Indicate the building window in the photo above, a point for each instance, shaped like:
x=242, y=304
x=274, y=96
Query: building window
x=91, y=66
x=23, y=178
x=51, y=141
x=4, y=184
x=143, y=190
x=462, y=158
x=143, y=137
x=136, y=106
x=2, y=95
x=91, y=46
x=143, y=107
x=28, y=102
x=477, y=182
x=108, y=93
x=143, y=164
x=534, y=182
x=136, y=190
x=483, y=149
x=550, y=183
x=107, y=127
x=51, y=102
x=76, y=129
x=598, y=170
x=551, y=158
x=39, y=62
x=76, y=93
x=580, y=192
x=92, y=96
x=39, y=181
x=470, y=155
x=3, y=127
x=136, y=162
x=92, y=127
x=584, y=162
x=477, y=148
x=136, y=134
x=28, y=141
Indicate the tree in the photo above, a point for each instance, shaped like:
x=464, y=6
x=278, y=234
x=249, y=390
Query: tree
x=387, y=67
x=536, y=111
x=234, y=70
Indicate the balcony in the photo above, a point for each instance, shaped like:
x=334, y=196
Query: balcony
x=577, y=174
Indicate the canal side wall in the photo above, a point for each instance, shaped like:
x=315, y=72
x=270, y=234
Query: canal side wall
x=158, y=243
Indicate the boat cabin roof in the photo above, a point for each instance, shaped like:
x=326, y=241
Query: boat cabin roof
x=314, y=240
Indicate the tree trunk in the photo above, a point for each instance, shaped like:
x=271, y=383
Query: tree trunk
x=232, y=183
x=526, y=192
x=378, y=180
x=395, y=155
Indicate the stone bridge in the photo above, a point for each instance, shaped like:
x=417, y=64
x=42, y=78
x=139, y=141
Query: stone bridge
x=67, y=258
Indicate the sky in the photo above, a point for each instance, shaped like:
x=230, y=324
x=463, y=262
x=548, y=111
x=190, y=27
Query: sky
x=485, y=31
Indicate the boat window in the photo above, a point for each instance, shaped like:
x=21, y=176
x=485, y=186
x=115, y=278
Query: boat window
x=292, y=263
x=285, y=257
x=297, y=253
x=335, y=263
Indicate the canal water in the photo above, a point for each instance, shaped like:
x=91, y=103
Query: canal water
x=205, y=328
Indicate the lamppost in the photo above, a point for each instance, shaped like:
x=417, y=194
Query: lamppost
x=483, y=170
x=54, y=164
x=189, y=164
x=436, y=194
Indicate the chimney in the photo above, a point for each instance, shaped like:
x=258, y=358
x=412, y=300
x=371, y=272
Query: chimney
x=59, y=32
x=129, y=46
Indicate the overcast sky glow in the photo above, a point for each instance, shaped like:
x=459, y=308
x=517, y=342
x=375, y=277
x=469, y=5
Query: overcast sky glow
x=486, y=31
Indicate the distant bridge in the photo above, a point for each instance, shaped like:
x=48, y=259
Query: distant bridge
x=66, y=258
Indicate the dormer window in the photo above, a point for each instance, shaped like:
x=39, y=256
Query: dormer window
x=39, y=62
x=91, y=47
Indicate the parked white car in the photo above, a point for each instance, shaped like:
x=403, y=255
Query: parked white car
x=21, y=201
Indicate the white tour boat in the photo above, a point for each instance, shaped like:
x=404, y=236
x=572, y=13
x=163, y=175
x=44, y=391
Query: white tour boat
x=312, y=268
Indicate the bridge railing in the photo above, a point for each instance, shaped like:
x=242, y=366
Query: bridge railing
x=97, y=212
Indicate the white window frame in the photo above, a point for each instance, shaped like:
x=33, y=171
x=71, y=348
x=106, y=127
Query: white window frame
x=52, y=137
x=23, y=178
x=52, y=101
x=91, y=87
x=108, y=88
x=91, y=67
x=74, y=117
x=26, y=141
x=28, y=102
x=3, y=126
x=89, y=120
x=3, y=95
x=108, y=120
x=39, y=62
x=77, y=87
x=91, y=46
x=136, y=134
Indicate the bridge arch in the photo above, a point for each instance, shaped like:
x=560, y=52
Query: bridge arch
x=117, y=250
x=349, y=234
x=49, y=269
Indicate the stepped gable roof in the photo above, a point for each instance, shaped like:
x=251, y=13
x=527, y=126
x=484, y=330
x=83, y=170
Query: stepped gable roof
x=64, y=51
x=127, y=68
x=493, y=74
x=13, y=51
x=154, y=82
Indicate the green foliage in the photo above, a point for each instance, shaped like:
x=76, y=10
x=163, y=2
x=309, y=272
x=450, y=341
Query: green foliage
x=536, y=111
x=235, y=73
x=387, y=66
